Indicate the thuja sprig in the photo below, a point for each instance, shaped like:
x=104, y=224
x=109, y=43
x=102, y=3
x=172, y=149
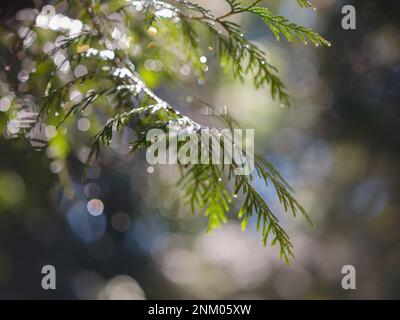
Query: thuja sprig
x=232, y=47
x=245, y=57
x=212, y=188
x=305, y=4
x=280, y=25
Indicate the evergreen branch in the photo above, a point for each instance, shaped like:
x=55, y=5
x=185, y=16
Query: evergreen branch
x=280, y=25
x=209, y=187
x=254, y=203
x=246, y=58
x=235, y=48
x=204, y=189
x=305, y=4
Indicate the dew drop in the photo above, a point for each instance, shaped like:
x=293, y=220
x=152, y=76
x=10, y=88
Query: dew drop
x=23, y=76
x=152, y=31
x=150, y=169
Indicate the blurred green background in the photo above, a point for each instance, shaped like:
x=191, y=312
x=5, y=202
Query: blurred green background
x=338, y=146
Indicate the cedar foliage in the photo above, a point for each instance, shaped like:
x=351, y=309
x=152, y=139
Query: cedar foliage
x=101, y=38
